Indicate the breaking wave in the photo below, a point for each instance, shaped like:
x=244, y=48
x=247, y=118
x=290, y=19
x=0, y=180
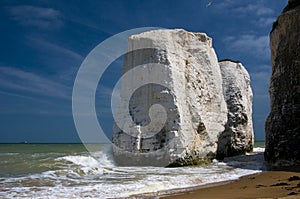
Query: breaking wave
x=97, y=176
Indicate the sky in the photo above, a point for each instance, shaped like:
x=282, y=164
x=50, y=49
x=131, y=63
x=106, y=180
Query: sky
x=43, y=44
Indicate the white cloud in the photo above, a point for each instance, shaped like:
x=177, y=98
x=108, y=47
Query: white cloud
x=36, y=16
x=265, y=21
x=224, y=4
x=19, y=80
x=264, y=11
x=243, y=7
x=257, y=12
x=257, y=9
x=257, y=46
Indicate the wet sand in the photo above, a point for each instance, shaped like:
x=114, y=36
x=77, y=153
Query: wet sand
x=269, y=184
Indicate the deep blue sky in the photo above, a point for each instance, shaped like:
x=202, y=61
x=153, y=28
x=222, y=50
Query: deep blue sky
x=44, y=42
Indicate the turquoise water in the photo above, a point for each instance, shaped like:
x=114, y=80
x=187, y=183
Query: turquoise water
x=259, y=144
x=23, y=159
x=70, y=171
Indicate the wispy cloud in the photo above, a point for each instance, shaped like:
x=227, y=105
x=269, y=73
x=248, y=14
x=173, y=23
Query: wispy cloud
x=15, y=95
x=50, y=46
x=262, y=14
x=256, y=9
x=18, y=80
x=89, y=23
x=28, y=15
x=56, y=57
x=265, y=21
x=256, y=46
x=244, y=6
x=260, y=11
x=30, y=105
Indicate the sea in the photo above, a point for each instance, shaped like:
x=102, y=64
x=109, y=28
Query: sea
x=70, y=171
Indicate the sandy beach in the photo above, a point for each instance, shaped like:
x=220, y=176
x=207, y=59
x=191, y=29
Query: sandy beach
x=268, y=184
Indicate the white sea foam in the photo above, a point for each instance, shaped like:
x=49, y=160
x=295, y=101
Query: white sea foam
x=8, y=154
x=105, y=156
x=97, y=176
x=259, y=150
x=86, y=161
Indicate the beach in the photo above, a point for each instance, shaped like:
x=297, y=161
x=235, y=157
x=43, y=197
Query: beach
x=268, y=184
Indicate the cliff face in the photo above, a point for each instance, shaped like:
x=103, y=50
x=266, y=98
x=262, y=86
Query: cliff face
x=283, y=123
x=190, y=90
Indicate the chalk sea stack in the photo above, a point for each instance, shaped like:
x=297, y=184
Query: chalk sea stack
x=209, y=108
x=237, y=138
x=283, y=122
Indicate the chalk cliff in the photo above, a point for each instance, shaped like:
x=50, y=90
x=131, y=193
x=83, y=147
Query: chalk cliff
x=185, y=78
x=283, y=122
x=237, y=137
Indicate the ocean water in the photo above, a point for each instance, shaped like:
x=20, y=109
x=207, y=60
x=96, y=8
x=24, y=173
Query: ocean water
x=69, y=171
